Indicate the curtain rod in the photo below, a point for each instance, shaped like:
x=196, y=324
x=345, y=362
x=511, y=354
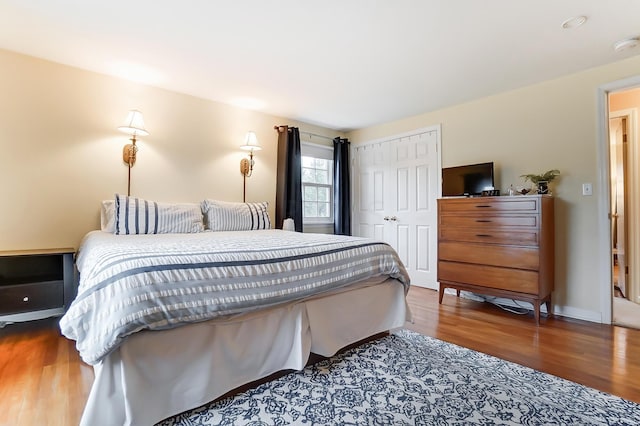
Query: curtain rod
x=315, y=135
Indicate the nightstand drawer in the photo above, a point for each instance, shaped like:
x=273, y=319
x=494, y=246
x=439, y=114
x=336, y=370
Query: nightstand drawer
x=515, y=280
x=490, y=221
x=494, y=255
x=489, y=236
x=31, y=297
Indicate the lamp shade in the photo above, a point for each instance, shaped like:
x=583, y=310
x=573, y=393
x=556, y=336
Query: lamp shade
x=251, y=142
x=134, y=124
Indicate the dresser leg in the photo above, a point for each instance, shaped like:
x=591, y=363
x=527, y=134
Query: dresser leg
x=536, y=311
x=458, y=293
x=440, y=294
x=549, y=306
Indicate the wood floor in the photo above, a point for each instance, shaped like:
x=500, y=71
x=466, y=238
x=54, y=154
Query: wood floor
x=43, y=382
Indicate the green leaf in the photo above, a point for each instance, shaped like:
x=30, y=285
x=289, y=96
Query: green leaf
x=546, y=176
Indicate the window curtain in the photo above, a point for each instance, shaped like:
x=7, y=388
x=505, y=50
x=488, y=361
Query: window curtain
x=289, y=177
x=341, y=187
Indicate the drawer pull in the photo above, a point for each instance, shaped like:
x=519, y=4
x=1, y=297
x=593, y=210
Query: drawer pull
x=483, y=235
x=25, y=299
x=483, y=206
x=483, y=221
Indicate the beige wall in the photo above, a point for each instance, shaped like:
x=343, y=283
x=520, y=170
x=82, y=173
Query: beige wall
x=546, y=126
x=61, y=152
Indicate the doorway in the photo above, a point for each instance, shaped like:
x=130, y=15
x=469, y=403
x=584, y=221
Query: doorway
x=624, y=165
x=618, y=157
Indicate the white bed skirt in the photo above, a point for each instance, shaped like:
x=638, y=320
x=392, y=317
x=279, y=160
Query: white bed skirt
x=156, y=374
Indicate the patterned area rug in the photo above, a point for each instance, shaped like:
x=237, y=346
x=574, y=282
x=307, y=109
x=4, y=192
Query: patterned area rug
x=410, y=379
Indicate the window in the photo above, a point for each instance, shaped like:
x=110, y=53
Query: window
x=317, y=184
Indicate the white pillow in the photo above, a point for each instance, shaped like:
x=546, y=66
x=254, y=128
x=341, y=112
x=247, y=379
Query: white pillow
x=225, y=216
x=138, y=216
x=108, y=216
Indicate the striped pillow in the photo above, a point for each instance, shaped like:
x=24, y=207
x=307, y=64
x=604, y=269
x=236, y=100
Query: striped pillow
x=225, y=216
x=138, y=216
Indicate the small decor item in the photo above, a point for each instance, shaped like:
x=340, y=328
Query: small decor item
x=542, y=181
x=543, y=187
x=288, y=225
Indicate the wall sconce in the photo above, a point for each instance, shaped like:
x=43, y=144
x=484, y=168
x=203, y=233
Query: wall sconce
x=246, y=164
x=134, y=126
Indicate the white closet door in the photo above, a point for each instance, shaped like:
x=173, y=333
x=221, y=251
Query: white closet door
x=396, y=185
x=371, y=183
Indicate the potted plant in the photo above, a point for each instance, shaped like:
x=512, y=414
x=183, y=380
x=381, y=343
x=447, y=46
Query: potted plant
x=542, y=181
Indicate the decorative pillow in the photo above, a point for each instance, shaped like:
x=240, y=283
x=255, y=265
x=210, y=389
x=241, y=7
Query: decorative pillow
x=225, y=216
x=138, y=216
x=108, y=216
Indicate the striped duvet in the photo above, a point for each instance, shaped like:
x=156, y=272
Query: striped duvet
x=130, y=283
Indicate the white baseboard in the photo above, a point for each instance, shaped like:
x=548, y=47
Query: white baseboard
x=576, y=313
x=562, y=311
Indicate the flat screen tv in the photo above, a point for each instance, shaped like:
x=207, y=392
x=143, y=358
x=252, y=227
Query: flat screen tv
x=467, y=180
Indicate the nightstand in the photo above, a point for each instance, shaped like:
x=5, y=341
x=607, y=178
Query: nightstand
x=35, y=284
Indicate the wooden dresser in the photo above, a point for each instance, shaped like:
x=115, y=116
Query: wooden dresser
x=498, y=246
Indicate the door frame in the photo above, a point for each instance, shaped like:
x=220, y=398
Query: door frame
x=605, y=254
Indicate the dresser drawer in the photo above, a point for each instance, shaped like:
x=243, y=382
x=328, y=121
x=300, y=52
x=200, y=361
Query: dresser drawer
x=489, y=236
x=31, y=297
x=489, y=221
x=491, y=204
x=515, y=280
x=494, y=255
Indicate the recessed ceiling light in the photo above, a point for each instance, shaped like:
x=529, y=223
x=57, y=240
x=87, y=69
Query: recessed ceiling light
x=626, y=44
x=574, y=22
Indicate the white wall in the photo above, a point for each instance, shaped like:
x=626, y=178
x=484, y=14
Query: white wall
x=61, y=152
x=551, y=125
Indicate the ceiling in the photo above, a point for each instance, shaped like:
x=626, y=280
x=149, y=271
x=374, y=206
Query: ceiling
x=342, y=64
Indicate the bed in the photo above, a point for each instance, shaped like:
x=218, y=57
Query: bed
x=172, y=321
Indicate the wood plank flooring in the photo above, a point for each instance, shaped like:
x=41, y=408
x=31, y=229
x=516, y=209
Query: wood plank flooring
x=596, y=355
x=43, y=381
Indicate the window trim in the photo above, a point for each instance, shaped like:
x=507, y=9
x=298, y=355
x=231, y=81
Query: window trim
x=317, y=219
x=316, y=151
